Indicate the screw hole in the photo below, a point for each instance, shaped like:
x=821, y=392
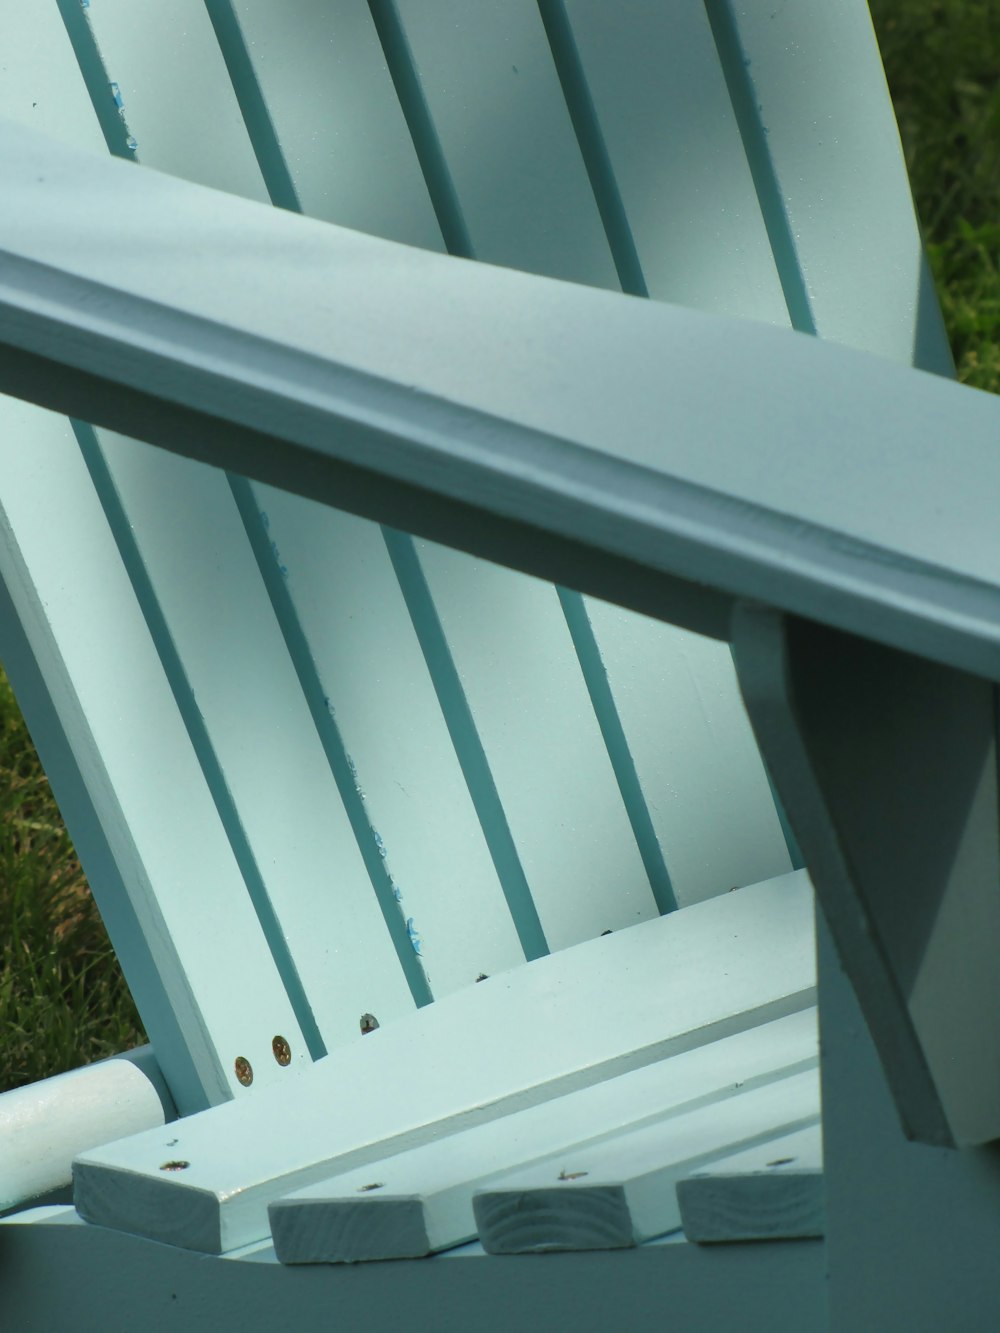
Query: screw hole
x=175, y=1166
x=781, y=1161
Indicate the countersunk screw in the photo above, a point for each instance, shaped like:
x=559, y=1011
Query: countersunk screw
x=282, y=1050
x=244, y=1070
x=175, y=1166
x=375, y=1185
x=368, y=1024
x=482, y=977
x=572, y=1175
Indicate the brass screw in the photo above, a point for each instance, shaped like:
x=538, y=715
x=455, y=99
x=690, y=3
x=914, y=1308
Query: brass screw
x=282, y=1050
x=175, y=1166
x=572, y=1175
x=368, y=1024
x=244, y=1070
x=376, y=1185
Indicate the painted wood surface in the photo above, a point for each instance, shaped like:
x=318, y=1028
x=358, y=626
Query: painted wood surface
x=774, y=1191
x=622, y=1191
x=155, y=1287
x=44, y=1125
x=899, y=821
x=546, y=1028
x=826, y=533
x=420, y=1201
x=81, y=655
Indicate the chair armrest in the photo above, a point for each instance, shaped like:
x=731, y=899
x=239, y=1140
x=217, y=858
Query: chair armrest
x=659, y=457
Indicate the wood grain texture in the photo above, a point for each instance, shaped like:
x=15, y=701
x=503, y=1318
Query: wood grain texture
x=420, y=1201
x=546, y=1028
x=774, y=1191
x=621, y=1191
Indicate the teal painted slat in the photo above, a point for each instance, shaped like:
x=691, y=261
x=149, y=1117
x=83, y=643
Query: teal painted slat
x=425, y=607
x=621, y=1191
x=832, y=175
x=167, y=56
x=450, y=940
x=311, y=890
x=678, y=761
x=423, y=1199
x=104, y=93
x=122, y=765
x=465, y=1061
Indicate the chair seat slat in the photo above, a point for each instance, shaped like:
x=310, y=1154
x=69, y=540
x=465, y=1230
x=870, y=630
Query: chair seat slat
x=622, y=1191
x=547, y=1027
x=771, y=1191
x=420, y=1201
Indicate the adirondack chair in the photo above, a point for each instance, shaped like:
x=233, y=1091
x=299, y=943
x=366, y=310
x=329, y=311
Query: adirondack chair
x=322, y=773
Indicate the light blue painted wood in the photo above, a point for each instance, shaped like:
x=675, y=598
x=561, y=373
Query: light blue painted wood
x=369, y=664
x=843, y=221
x=674, y=148
x=420, y=1201
x=41, y=86
x=179, y=529
x=44, y=1125
x=622, y=1190
x=829, y=537
x=403, y=843
x=774, y=1191
x=517, y=180
x=543, y=1029
x=150, y=1286
x=345, y=146
x=144, y=47
x=520, y=674
x=276, y=793
x=527, y=137
x=157, y=858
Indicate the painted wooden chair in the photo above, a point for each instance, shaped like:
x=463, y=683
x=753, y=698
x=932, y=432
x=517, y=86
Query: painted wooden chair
x=322, y=773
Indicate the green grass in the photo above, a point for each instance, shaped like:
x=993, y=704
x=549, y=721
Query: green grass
x=62, y=999
x=942, y=59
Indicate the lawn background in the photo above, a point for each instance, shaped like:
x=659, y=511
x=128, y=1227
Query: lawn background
x=63, y=1001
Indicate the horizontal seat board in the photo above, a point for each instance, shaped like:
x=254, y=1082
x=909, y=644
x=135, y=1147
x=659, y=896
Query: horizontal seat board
x=520, y=1038
x=553, y=411
x=621, y=1191
x=420, y=1201
x=774, y=1191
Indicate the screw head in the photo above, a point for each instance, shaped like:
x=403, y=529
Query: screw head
x=375, y=1185
x=175, y=1166
x=244, y=1070
x=368, y=1024
x=282, y=1050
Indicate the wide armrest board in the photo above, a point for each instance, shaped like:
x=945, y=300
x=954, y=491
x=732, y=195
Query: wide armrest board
x=549, y=1027
x=546, y=425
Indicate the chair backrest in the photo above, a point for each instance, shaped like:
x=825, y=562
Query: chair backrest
x=317, y=769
